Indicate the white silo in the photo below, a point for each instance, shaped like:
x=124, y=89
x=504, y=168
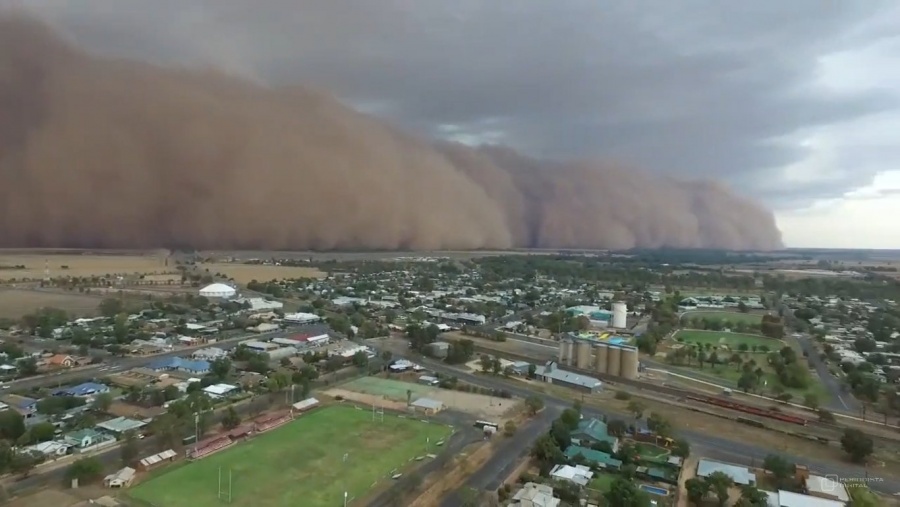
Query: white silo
x=620, y=315
x=583, y=355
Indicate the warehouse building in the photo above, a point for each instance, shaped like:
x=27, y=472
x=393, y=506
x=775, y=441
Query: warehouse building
x=551, y=374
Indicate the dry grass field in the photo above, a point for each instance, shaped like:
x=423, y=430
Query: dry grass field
x=15, y=303
x=244, y=273
x=79, y=265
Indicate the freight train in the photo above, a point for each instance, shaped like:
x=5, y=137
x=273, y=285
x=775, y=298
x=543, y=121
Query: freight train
x=748, y=409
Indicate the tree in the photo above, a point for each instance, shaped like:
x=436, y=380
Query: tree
x=532, y=371
x=697, y=488
x=360, y=360
x=659, y=424
x=825, y=415
x=231, y=419
x=102, y=402
x=220, y=368
x=637, y=410
x=130, y=448
x=857, y=444
x=681, y=448
x=509, y=428
x=624, y=493
x=546, y=452
x=752, y=496
x=616, y=427
x=24, y=462
x=534, y=403
x=781, y=469
x=570, y=417
x=12, y=425
x=85, y=469
x=285, y=362
x=719, y=483
x=811, y=401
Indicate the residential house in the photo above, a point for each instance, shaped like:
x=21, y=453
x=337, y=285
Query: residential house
x=742, y=476
x=85, y=389
x=593, y=431
x=60, y=361
x=180, y=364
x=597, y=458
x=51, y=449
x=578, y=474
x=26, y=407
x=83, y=439
x=534, y=495
x=209, y=354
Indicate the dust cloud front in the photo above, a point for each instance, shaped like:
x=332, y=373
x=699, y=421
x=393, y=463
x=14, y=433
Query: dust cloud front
x=108, y=153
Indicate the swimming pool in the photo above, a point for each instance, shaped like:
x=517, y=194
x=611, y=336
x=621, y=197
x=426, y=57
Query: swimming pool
x=653, y=490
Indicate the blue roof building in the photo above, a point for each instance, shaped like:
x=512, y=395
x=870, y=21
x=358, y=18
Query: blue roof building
x=85, y=389
x=180, y=364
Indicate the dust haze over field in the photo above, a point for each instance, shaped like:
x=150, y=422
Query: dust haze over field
x=118, y=154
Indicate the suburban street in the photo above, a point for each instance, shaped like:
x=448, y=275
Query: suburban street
x=124, y=363
x=497, y=469
x=838, y=401
x=742, y=453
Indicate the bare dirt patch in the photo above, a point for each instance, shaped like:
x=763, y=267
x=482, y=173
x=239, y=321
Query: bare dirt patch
x=440, y=484
x=245, y=273
x=15, y=303
x=45, y=498
x=367, y=399
x=476, y=404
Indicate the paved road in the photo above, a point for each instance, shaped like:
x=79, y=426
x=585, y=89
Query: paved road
x=742, y=453
x=497, y=469
x=839, y=401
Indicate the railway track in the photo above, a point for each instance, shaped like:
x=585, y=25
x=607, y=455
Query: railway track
x=834, y=430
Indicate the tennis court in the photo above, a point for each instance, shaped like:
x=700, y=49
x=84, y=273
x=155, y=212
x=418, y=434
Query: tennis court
x=390, y=389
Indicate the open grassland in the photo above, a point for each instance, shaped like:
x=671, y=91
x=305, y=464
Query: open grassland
x=245, y=273
x=21, y=266
x=724, y=316
x=730, y=340
x=15, y=303
x=301, y=463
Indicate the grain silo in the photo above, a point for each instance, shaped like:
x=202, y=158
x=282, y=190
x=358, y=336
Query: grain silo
x=620, y=315
x=566, y=352
x=629, y=362
x=613, y=361
x=601, y=354
x=583, y=355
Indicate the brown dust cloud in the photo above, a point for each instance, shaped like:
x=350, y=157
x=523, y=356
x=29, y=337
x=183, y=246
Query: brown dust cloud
x=116, y=154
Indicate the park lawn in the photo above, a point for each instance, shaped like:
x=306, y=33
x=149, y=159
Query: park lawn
x=731, y=340
x=727, y=375
x=725, y=316
x=601, y=482
x=300, y=463
x=651, y=452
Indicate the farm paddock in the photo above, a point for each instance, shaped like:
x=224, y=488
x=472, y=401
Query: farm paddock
x=15, y=303
x=32, y=265
x=245, y=273
x=314, y=458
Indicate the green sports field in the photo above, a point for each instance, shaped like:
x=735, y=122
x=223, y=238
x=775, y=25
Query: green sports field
x=730, y=340
x=301, y=463
x=724, y=316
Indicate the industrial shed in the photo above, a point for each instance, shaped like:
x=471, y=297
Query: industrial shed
x=427, y=406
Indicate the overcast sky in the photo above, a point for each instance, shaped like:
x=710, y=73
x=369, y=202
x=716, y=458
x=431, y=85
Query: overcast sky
x=796, y=103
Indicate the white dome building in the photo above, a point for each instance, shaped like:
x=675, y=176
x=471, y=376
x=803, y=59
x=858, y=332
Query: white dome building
x=218, y=290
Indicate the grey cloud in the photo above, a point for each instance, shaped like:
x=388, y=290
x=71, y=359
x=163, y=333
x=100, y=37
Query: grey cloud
x=691, y=88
